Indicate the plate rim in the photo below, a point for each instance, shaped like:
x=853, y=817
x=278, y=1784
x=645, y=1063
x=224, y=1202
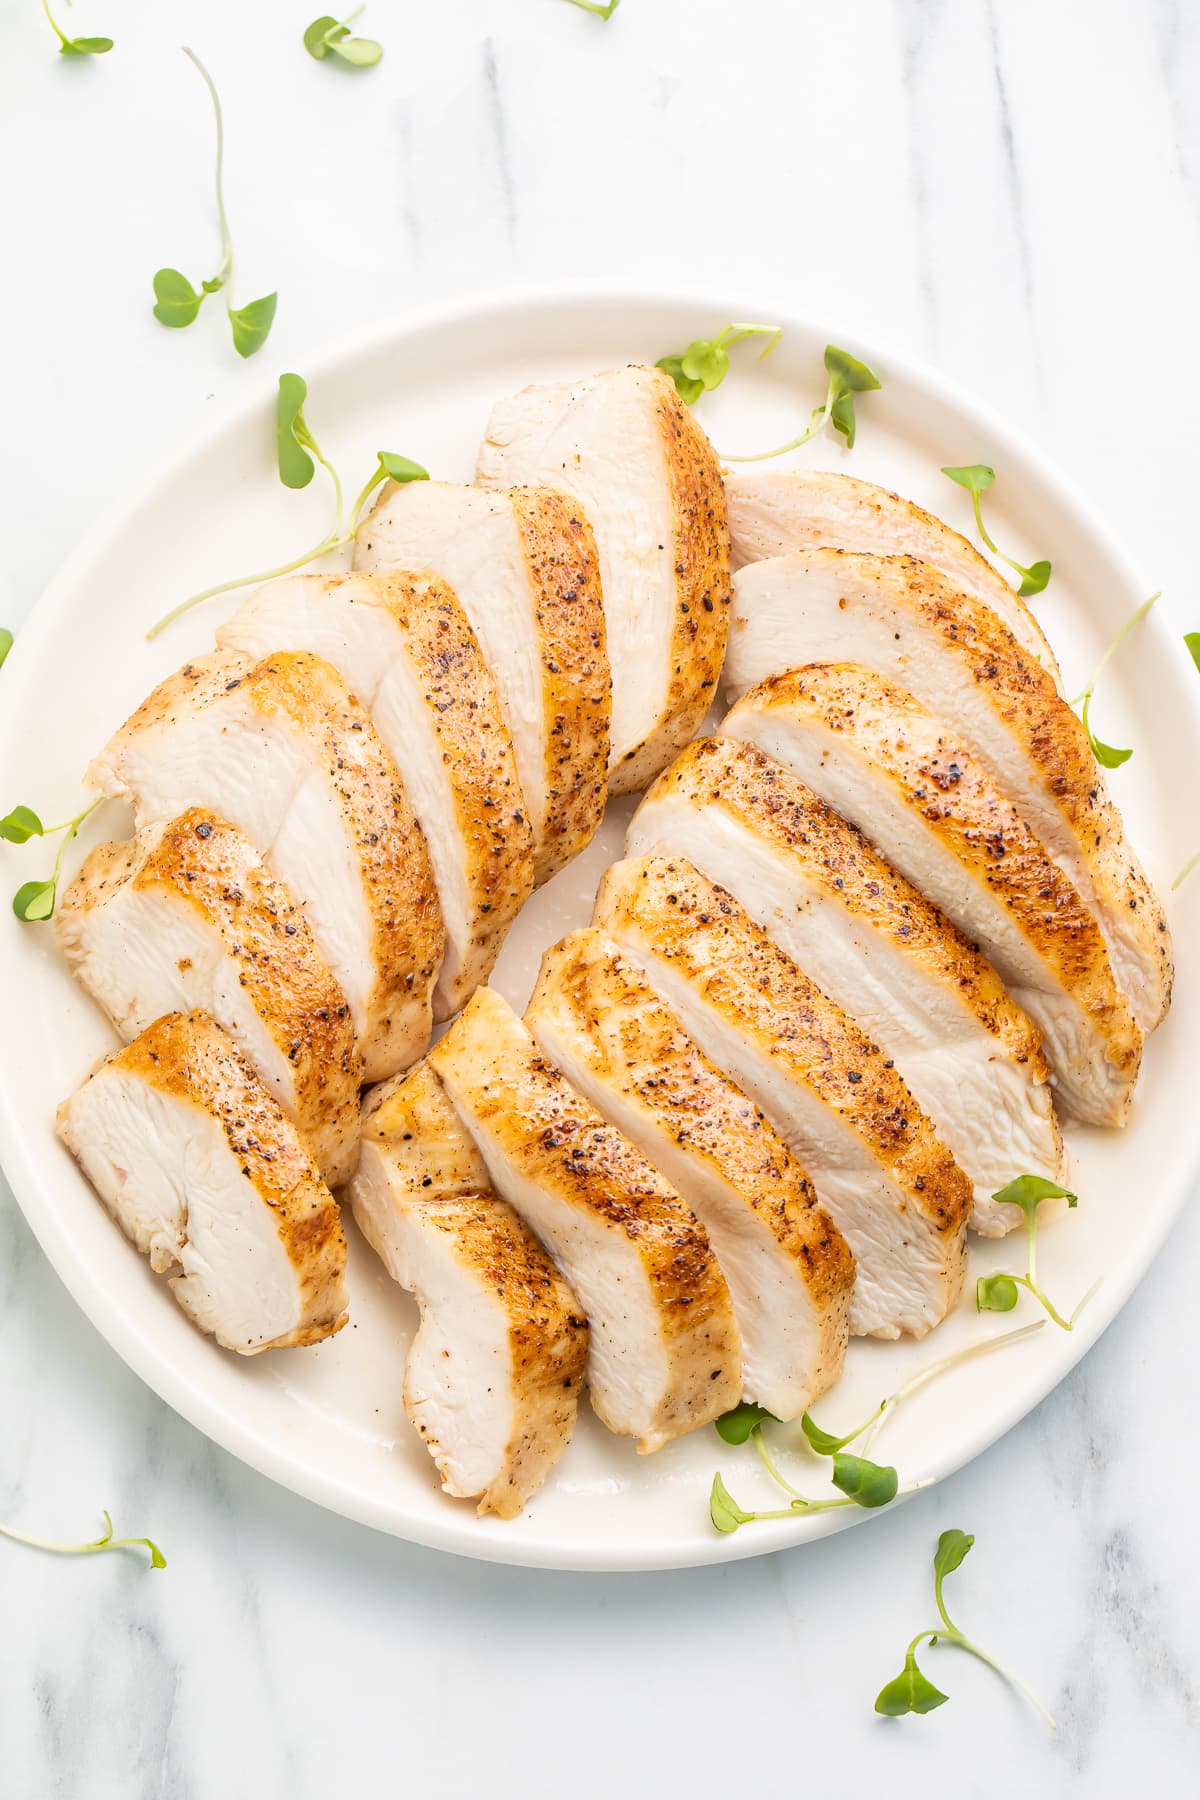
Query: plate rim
x=462, y=1532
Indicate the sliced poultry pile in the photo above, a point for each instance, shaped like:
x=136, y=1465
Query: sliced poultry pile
x=869, y=940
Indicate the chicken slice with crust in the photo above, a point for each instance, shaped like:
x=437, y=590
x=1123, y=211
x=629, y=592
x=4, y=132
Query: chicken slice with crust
x=876, y=756
x=523, y=567
x=283, y=751
x=493, y=1374
x=186, y=917
x=664, y=1354
x=773, y=512
x=790, y=1271
x=901, y=618
x=902, y=971
x=205, y=1175
x=405, y=649
x=629, y=451
x=891, y=1186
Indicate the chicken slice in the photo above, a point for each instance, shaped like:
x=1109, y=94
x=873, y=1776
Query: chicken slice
x=789, y=1270
x=889, y=959
x=893, y=1189
x=283, y=751
x=893, y=770
x=405, y=648
x=185, y=917
x=202, y=1171
x=664, y=1355
x=493, y=1374
x=773, y=512
x=629, y=450
x=904, y=620
x=523, y=566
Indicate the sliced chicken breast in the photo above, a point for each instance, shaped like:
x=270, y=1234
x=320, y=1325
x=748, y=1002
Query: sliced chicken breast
x=789, y=1270
x=773, y=512
x=899, y=968
x=493, y=1374
x=664, y=1354
x=523, y=567
x=283, y=751
x=631, y=453
x=877, y=757
x=185, y=917
x=405, y=648
x=202, y=1171
x=904, y=620
x=892, y=1187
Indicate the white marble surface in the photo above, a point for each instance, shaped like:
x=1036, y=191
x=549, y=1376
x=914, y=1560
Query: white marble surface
x=1010, y=190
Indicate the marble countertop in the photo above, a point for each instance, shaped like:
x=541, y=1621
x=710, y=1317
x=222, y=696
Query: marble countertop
x=1004, y=189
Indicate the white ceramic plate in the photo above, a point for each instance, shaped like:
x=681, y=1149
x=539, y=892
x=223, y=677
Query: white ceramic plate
x=328, y=1422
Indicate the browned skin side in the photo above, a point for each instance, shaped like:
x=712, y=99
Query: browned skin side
x=703, y=586
x=969, y=816
x=565, y=1147
x=564, y=570
x=547, y=1334
x=398, y=882
x=702, y=929
x=773, y=802
x=477, y=750
x=189, y=1058
x=709, y=1112
x=1023, y=694
x=213, y=868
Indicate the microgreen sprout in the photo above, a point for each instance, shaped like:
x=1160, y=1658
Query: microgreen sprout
x=76, y=46
x=847, y=377
x=327, y=35
x=998, y=1293
x=34, y=901
x=1192, y=641
x=603, y=9
x=862, y=1483
x=106, y=1542
x=6, y=644
x=977, y=478
x=177, y=302
x=1105, y=754
x=297, y=453
x=705, y=363
x=911, y=1691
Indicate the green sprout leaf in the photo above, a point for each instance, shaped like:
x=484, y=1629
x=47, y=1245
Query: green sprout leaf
x=1105, y=754
x=1192, y=640
x=327, y=34
x=22, y=823
x=848, y=376
x=910, y=1692
x=33, y=901
x=176, y=302
x=6, y=644
x=736, y=1425
x=998, y=1293
x=977, y=478
x=293, y=440
x=81, y=46
x=866, y=1483
x=825, y=1444
x=603, y=9
x=995, y=1293
x=251, y=323
x=297, y=453
x=723, y=1509
x=705, y=363
x=106, y=1541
